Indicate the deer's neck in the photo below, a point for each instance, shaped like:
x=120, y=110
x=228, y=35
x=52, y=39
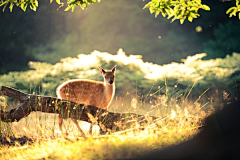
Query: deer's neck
x=109, y=92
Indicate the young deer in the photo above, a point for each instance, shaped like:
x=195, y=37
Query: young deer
x=95, y=93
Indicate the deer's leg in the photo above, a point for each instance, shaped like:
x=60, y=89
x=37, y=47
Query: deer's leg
x=79, y=128
x=60, y=120
x=90, y=129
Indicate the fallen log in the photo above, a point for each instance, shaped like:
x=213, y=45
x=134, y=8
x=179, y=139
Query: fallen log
x=107, y=121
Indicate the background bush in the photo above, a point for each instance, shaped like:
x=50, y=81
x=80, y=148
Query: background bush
x=132, y=72
x=49, y=34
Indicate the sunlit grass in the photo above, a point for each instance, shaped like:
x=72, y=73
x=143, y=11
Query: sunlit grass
x=142, y=88
x=112, y=146
x=106, y=147
x=179, y=120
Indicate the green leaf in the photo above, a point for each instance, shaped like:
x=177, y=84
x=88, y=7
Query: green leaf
x=67, y=8
x=190, y=19
x=164, y=13
x=179, y=13
x=32, y=7
x=147, y=5
x=205, y=7
x=182, y=20
x=169, y=11
x=239, y=15
x=193, y=15
x=3, y=3
x=84, y=5
x=173, y=20
x=58, y=1
x=157, y=12
x=170, y=16
x=73, y=8
x=5, y=7
x=234, y=12
x=24, y=6
x=51, y=1
x=11, y=7
x=36, y=3
x=151, y=9
x=230, y=10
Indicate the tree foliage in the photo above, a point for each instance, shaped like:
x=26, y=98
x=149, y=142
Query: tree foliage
x=179, y=9
x=225, y=39
x=37, y=36
x=183, y=9
x=134, y=76
x=175, y=9
x=234, y=10
x=33, y=4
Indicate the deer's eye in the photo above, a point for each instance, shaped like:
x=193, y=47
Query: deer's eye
x=105, y=76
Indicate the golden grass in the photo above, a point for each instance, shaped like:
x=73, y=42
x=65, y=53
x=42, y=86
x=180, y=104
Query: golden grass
x=178, y=121
x=179, y=118
x=106, y=147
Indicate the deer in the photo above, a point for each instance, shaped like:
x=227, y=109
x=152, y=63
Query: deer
x=88, y=92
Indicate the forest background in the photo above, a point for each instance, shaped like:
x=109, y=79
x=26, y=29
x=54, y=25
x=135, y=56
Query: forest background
x=179, y=72
x=49, y=34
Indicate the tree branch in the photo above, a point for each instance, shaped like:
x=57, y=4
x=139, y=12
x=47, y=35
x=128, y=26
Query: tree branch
x=106, y=120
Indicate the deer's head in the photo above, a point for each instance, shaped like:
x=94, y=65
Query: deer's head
x=108, y=75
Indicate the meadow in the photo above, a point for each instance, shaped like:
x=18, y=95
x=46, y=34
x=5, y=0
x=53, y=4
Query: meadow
x=180, y=94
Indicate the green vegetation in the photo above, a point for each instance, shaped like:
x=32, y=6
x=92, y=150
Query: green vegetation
x=132, y=72
x=106, y=147
x=224, y=40
x=49, y=35
x=233, y=11
x=34, y=4
x=178, y=9
x=180, y=93
x=178, y=121
x=184, y=9
x=169, y=99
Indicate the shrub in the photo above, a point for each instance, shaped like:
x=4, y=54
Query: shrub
x=132, y=73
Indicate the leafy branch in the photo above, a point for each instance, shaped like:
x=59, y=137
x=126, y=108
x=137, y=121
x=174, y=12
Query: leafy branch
x=71, y=4
x=23, y=4
x=233, y=10
x=176, y=9
x=20, y=3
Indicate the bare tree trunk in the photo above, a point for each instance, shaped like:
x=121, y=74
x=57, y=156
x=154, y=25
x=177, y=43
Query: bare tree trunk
x=29, y=102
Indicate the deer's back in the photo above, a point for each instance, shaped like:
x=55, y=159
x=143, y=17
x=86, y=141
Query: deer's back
x=83, y=91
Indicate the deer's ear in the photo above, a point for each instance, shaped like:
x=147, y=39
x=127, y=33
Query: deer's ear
x=114, y=68
x=101, y=70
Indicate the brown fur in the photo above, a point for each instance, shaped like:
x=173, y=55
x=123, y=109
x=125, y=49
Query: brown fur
x=89, y=92
x=84, y=92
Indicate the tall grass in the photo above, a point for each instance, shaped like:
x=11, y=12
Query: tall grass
x=179, y=120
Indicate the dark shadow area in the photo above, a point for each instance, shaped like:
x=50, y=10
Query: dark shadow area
x=219, y=139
